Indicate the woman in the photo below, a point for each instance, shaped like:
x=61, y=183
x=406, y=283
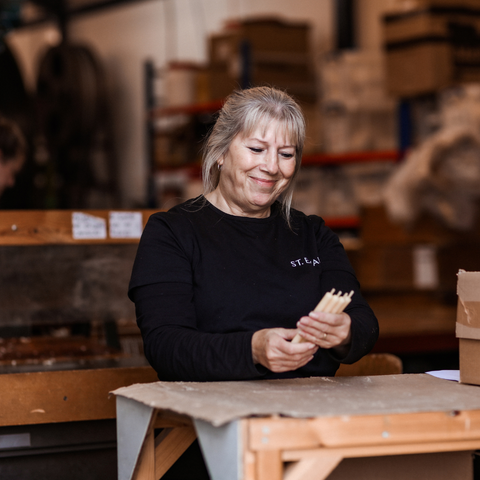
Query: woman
x=224, y=282
x=12, y=153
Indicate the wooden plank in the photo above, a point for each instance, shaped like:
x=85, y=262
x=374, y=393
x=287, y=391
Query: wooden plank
x=170, y=445
x=248, y=455
x=281, y=433
x=169, y=419
x=269, y=465
x=399, y=428
x=145, y=469
x=382, y=450
x=64, y=396
x=289, y=433
x=51, y=227
x=249, y=465
x=312, y=468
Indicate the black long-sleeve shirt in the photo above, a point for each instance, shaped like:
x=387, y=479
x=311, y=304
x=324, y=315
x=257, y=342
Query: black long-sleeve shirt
x=204, y=281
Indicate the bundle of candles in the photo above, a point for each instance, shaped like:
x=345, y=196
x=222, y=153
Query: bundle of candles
x=330, y=303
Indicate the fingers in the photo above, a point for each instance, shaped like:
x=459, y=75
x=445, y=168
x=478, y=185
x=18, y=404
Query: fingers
x=272, y=348
x=325, y=329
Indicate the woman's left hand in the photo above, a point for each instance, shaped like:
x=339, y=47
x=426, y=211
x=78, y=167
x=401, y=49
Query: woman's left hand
x=327, y=330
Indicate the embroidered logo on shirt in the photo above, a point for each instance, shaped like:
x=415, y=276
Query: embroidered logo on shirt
x=300, y=262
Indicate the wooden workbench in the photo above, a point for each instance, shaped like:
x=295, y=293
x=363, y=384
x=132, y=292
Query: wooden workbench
x=62, y=392
x=300, y=429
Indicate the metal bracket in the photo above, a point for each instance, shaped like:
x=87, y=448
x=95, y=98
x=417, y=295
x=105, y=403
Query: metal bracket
x=221, y=449
x=132, y=429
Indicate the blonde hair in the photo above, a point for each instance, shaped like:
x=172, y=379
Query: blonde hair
x=242, y=113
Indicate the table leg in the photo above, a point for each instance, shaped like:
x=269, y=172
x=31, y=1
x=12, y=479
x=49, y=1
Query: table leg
x=146, y=465
x=221, y=448
x=269, y=465
x=134, y=422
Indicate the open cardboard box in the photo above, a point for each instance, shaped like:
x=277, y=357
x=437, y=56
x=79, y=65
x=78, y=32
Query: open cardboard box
x=468, y=325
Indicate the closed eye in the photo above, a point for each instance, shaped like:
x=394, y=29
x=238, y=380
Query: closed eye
x=256, y=150
x=286, y=155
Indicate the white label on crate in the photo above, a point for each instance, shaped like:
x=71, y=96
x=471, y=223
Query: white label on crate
x=15, y=440
x=126, y=224
x=425, y=267
x=88, y=227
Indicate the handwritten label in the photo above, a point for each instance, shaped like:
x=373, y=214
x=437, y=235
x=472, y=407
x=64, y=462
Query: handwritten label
x=126, y=224
x=425, y=267
x=88, y=227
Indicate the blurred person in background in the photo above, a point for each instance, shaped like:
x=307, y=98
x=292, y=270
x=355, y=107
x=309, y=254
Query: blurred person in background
x=12, y=153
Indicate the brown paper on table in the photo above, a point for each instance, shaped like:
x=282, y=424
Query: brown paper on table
x=222, y=402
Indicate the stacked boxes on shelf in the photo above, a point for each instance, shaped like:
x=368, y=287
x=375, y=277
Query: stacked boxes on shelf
x=262, y=51
x=432, y=45
x=357, y=112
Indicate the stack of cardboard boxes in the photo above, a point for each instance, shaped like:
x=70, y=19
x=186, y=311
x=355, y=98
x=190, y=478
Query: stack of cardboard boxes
x=432, y=45
x=263, y=51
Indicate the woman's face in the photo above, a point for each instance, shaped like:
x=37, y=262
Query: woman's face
x=255, y=171
x=8, y=170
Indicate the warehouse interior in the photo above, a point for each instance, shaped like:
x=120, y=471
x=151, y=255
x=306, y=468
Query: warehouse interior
x=115, y=97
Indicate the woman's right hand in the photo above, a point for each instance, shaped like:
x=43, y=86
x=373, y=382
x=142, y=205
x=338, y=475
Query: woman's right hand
x=272, y=348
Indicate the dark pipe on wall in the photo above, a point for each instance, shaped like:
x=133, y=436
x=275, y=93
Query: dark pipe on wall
x=345, y=24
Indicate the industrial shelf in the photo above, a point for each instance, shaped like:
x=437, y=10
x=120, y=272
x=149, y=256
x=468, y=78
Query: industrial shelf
x=313, y=159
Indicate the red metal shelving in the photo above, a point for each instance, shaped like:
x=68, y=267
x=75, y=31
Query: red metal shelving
x=193, y=109
x=313, y=159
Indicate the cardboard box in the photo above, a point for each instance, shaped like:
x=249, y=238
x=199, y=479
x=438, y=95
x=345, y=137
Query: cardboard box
x=268, y=35
x=298, y=81
x=269, y=51
x=432, y=47
x=468, y=325
x=221, y=82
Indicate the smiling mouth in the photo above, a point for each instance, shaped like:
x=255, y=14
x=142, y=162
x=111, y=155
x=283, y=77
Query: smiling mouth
x=263, y=181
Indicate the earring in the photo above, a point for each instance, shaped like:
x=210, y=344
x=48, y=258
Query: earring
x=219, y=167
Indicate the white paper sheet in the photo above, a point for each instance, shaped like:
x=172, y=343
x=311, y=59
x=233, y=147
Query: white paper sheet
x=453, y=375
x=88, y=227
x=126, y=224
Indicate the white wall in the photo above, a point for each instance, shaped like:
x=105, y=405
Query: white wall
x=125, y=37
x=168, y=30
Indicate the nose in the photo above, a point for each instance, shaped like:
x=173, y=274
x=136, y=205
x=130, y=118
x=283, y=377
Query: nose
x=271, y=163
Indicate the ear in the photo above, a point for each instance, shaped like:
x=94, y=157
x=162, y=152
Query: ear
x=220, y=160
